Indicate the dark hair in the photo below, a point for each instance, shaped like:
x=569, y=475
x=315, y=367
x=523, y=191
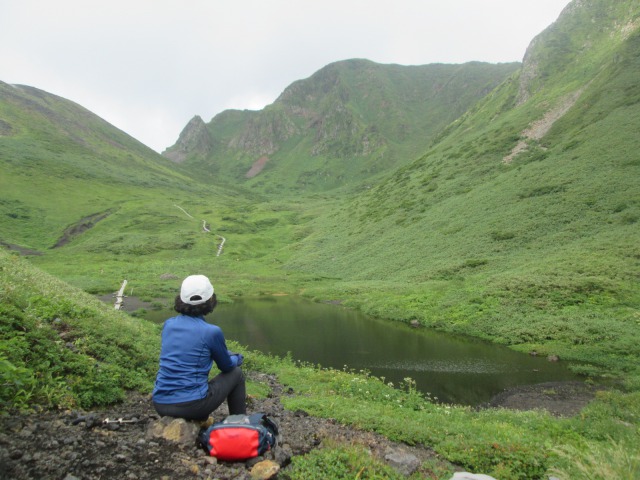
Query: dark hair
x=195, y=310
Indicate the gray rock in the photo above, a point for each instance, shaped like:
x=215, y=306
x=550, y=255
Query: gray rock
x=282, y=454
x=403, y=462
x=16, y=454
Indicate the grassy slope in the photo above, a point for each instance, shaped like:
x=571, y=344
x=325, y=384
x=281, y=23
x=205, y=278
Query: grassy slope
x=61, y=347
x=61, y=163
x=541, y=253
x=150, y=237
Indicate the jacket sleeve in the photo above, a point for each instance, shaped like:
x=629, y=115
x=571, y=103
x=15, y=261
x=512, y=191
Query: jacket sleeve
x=219, y=351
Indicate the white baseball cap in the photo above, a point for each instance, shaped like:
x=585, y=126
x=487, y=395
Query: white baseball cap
x=196, y=290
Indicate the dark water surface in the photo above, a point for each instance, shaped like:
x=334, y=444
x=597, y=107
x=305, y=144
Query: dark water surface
x=454, y=369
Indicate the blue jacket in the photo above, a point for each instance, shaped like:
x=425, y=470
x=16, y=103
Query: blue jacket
x=189, y=347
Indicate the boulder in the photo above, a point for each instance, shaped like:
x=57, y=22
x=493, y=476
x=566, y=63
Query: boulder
x=264, y=470
x=403, y=462
x=175, y=430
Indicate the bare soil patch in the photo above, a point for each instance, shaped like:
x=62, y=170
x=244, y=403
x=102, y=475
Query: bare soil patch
x=540, y=127
x=21, y=250
x=130, y=304
x=257, y=167
x=80, y=227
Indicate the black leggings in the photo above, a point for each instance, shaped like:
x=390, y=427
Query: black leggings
x=229, y=386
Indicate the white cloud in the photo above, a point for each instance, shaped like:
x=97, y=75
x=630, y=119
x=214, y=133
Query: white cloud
x=148, y=66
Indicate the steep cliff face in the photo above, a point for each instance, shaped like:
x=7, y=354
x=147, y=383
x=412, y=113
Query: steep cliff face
x=264, y=133
x=193, y=140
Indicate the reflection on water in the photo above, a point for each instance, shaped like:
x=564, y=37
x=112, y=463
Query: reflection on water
x=458, y=366
x=453, y=369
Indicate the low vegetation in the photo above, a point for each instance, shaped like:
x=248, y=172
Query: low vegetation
x=537, y=251
x=60, y=347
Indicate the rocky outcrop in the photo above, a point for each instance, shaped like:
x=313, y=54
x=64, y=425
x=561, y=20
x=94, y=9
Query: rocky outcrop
x=528, y=73
x=579, y=34
x=193, y=140
x=264, y=133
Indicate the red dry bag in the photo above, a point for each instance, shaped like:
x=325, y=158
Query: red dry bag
x=240, y=437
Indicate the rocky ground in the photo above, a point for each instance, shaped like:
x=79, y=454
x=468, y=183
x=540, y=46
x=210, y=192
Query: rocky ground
x=79, y=445
x=562, y=399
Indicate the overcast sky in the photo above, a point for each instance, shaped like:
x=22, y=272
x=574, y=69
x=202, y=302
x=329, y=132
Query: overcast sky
x=148, y=66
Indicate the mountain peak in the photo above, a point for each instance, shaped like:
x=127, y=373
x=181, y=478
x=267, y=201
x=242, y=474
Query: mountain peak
x=193, y=140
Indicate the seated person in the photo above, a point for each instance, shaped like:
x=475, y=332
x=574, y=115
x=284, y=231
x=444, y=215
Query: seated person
x=189, y=347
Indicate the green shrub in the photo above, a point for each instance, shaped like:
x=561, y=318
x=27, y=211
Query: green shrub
x=17, y=383
x=340, y=462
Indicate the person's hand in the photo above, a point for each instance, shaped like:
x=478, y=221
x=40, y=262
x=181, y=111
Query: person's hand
x=240, y=359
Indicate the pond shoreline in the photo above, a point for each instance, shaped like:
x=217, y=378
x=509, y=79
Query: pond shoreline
x=132, y=304
x=560, y=397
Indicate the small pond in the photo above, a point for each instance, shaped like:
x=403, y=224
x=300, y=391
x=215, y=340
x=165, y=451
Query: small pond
x=454, y=369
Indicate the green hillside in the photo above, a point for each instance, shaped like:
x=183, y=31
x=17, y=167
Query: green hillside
x=537, y=249
x=93, y=206
x=347, y=123
x=511, y=216
x=61, y=163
